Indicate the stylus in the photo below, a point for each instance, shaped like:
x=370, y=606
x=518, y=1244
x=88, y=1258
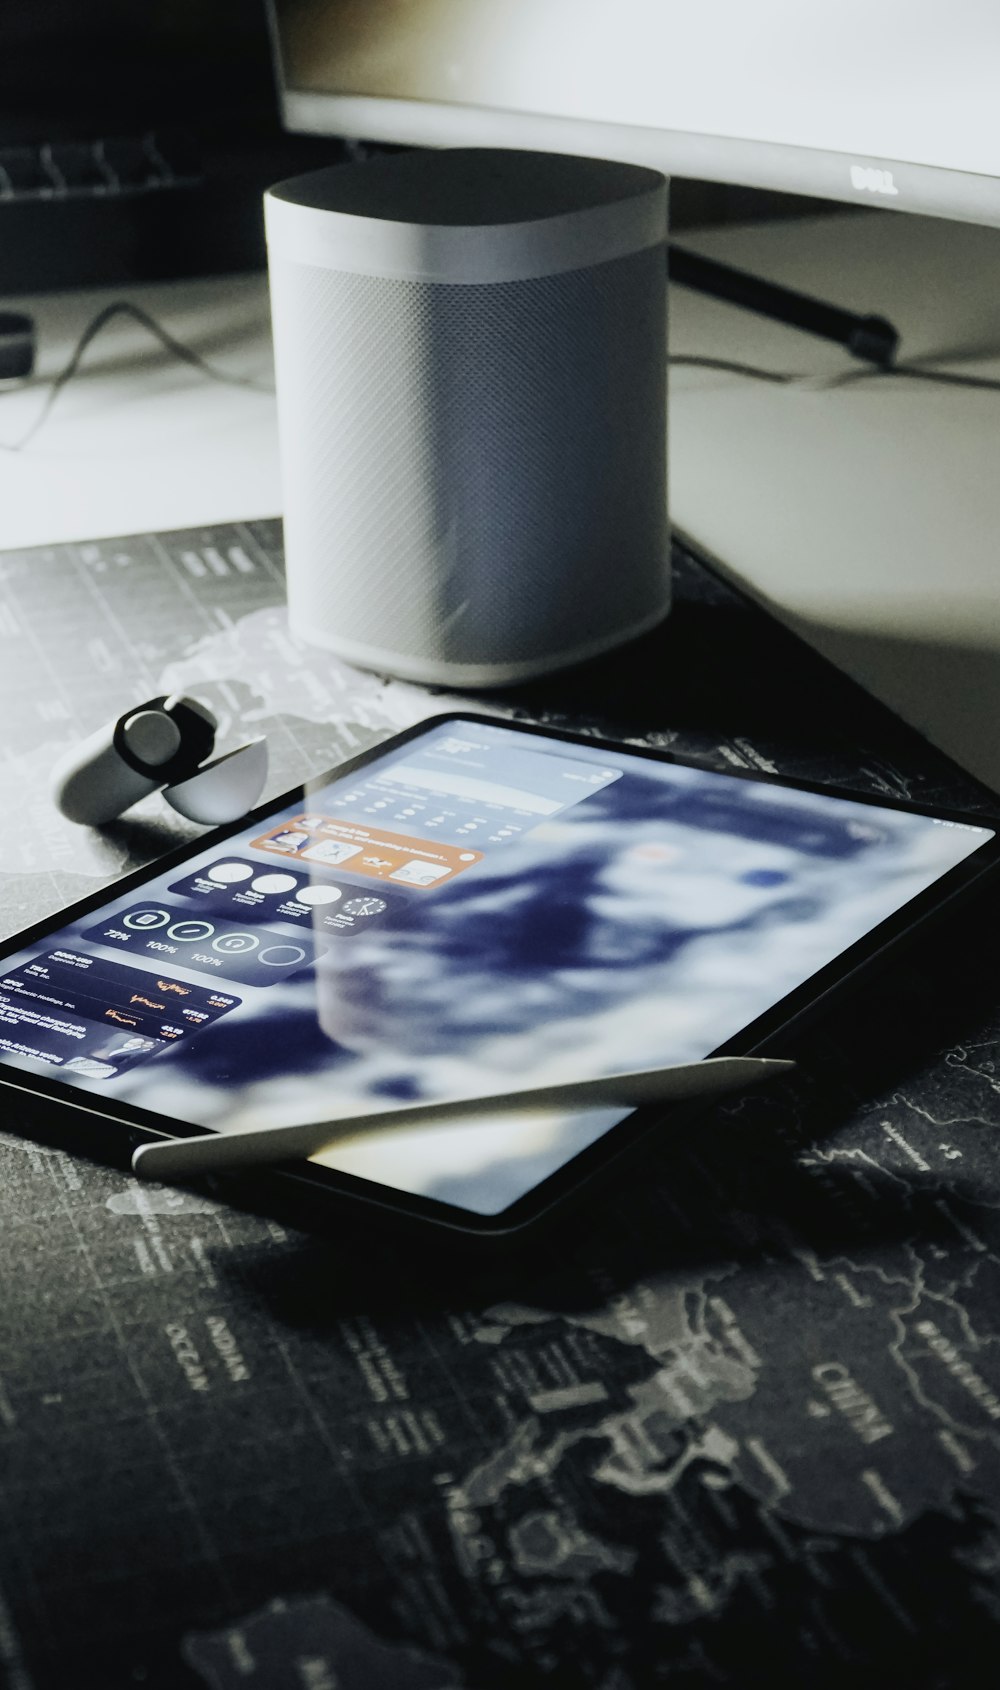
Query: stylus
x=179, y=1158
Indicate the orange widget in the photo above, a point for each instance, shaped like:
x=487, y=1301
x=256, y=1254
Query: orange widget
x=328, y=843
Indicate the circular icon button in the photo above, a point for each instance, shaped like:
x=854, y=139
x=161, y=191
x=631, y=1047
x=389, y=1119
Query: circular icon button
x=229, y=874
x=189, y=932
x=365, y=906
x=275, y=883
x=318, y=895
x=282, y=956
x=145, y=919
x=235, y=944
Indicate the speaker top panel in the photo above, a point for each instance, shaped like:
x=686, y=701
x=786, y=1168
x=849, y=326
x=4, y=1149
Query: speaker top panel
x=466, y=215
x=470, y=187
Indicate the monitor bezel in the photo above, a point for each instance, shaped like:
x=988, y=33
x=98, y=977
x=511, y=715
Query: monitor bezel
x=891, y=184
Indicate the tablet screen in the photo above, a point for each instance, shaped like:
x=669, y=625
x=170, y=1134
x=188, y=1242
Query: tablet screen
x=472, y=908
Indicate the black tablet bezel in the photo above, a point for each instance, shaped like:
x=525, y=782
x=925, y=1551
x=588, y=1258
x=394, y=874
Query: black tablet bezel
x=763, y=1036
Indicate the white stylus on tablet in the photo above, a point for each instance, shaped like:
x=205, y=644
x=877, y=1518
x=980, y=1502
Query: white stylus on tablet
x=180, y=1158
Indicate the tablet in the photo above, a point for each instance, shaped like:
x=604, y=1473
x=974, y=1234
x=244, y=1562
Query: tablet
x=470, y=907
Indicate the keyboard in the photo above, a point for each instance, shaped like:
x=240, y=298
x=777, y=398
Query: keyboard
x=109, y=168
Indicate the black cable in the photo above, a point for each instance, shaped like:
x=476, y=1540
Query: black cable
x=915, y=372
x=820, y=384
x=731, y=367
x=124, y=307
x=872, y=338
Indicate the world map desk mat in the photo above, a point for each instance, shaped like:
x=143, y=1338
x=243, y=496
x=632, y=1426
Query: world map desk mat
x=737, y=1422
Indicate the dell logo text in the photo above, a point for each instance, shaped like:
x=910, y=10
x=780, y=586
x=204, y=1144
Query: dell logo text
x=872, y=181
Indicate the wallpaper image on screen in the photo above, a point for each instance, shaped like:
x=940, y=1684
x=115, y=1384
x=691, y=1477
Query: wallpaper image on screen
x=473, y=907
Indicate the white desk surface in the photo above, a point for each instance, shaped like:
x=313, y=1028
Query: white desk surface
x=138, y=441
x=867, y=517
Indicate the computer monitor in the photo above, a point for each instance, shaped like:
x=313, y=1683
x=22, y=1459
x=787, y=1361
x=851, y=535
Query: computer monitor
x=884, y=102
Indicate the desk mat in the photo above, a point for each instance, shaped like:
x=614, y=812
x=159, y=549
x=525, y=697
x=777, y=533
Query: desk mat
x=738, y=1423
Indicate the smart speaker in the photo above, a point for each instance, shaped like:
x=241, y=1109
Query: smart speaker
x=471, y=377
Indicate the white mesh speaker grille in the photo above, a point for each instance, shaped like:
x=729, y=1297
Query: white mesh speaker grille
x=474, y=474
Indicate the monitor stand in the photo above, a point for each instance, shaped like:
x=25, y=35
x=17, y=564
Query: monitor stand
x=867, y=516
